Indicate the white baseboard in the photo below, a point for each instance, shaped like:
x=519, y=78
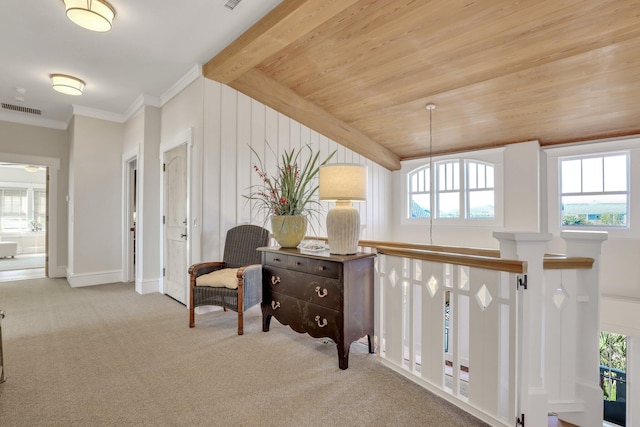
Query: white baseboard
x=147, y=286
x=92, y=279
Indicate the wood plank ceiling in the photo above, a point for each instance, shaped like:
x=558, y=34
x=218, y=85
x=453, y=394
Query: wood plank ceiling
x=502, y=71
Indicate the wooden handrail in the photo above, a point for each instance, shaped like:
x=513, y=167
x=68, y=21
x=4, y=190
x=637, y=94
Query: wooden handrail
x=484, y=258
x=489, y=263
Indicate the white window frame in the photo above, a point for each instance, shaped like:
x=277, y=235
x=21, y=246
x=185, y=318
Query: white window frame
x=601, y=147
x=626, y=192
x=492, y=157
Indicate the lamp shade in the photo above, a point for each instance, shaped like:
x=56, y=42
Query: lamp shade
x=343, y=181
x=68, y=85
x=94, y=15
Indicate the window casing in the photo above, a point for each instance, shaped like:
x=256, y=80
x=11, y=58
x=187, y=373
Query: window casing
x=462, y=189
x=594, y=190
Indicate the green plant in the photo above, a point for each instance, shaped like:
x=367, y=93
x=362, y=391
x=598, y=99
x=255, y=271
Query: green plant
x=290, y=190
x=613, y=353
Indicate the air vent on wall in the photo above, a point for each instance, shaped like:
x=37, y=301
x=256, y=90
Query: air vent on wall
x=22, y=109
x=231, y=4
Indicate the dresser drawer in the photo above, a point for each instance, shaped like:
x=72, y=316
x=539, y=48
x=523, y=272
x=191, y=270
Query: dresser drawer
x=307, y=287
x=305, y=317
x=277, y=260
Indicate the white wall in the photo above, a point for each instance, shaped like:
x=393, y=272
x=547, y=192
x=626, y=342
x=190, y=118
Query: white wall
x=95, y=202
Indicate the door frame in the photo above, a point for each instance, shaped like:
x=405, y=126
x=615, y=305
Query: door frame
x=53, y=167
x=184, y=137
x=130, y=272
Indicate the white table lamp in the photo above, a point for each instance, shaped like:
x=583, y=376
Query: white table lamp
x=343, y=183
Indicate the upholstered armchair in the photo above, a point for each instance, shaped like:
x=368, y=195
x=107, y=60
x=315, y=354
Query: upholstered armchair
x=234, y=283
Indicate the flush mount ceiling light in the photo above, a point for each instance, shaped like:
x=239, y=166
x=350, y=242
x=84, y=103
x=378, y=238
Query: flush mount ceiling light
x=94, y=15
x=31, y=168
x=68, y=85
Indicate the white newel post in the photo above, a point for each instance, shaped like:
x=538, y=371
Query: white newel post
x=587, y=244
x=533, y=397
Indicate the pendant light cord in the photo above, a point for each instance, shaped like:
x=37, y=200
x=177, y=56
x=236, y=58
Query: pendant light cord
x=432, y=174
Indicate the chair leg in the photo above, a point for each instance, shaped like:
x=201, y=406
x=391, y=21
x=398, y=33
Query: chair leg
x=240, y=323
x=192, y=320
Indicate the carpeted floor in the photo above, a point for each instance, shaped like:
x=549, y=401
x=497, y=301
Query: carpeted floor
x=106, y=356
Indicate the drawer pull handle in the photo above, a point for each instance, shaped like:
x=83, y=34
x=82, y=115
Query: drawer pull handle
x=276, y=259
x=275, y=305
x=275, y=280
x=323, y=293
x=298, y=263
x=324, y=322
x=322, y=268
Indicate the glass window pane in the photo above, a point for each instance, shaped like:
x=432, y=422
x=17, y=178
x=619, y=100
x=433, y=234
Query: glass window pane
x=598, y=210
x=481, y=176
x=442, y=177
x=472, y=174
x=571, y=176
x=456, y=176
x=420, y=206
x=449, y=205
x=490, y=177
x=481, y=204
x=592, y=175
x=414, y=182
x=615, y=173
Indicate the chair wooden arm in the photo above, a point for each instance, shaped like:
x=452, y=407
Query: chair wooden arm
x=197, y=270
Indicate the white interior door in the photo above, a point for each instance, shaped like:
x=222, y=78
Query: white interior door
x=176, y=237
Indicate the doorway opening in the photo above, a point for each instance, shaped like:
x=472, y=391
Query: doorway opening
x=23, y=221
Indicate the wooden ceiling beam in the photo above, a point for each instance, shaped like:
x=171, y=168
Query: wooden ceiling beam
x=285, y=24
x=262, y=88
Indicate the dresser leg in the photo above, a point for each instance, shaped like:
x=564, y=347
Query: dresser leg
x=343, y=356
x=266, y=321
x=371, y=349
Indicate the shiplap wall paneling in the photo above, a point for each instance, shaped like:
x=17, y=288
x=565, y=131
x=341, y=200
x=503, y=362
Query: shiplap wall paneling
x=228, y=156
x=243, y=160
x=211, y=212
x=258, y=136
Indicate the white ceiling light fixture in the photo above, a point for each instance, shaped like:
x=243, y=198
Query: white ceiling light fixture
x=94, y=15
x=68, y=85
x=31, y=168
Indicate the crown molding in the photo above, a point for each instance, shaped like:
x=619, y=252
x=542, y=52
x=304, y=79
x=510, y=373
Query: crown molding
x=79, y=110
x=192, y=75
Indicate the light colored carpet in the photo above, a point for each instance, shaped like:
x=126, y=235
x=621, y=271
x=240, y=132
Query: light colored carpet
x=22, y=262
x=106, y=356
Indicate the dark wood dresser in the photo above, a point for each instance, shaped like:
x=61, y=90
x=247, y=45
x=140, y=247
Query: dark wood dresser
x=320, y=294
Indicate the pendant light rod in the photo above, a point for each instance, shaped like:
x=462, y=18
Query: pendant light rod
x=431, y=107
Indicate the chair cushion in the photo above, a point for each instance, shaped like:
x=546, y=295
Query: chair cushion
x=224, y=278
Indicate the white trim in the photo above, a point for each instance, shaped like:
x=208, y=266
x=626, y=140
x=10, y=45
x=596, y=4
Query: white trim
x=148, y=286
x=79, y=110
x=127, y=158
x=91, y=279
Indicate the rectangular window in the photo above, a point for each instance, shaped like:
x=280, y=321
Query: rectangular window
x=13, y=209
x=594, y=191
